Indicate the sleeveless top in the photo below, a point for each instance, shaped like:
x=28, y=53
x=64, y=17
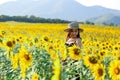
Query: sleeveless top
x=69, y=45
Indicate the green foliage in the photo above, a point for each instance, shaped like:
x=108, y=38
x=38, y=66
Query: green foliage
x=31, y=19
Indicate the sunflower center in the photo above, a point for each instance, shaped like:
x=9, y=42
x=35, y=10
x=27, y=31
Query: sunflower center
x=13, y=42
x=92, y=60
x=76, y=51
x=102, y=53
x=26, y=56
x=100, y=72
x=117, y=71
x=50, y=47
x=97, y=45
x=116, y=48
x=88, y=52
x=46, y=39
x=36, y=77
x=119, y=58
x=31, y=44
x=17, y=39
x=9, y=44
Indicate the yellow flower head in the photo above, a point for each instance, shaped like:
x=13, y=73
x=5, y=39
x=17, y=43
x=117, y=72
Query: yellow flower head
x=90, y=61
x=35, y=77
x=114, y=70
x=75, y=53
x=25, y=60
x=99, y=72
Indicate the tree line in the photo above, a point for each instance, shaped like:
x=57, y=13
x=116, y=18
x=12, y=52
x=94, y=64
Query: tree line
x=31, y=19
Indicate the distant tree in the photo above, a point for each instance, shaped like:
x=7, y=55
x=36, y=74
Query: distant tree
x=104, y=23
x=88, y=22
x=31, y=19
x=111, y=24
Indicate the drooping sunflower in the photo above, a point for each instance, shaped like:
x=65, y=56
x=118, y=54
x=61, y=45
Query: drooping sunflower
x=99, y=72
x=114, y=70
x=75, y=53
x=35, y=77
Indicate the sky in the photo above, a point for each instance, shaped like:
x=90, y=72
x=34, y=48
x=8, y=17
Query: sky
x=113, y=4
x=4, y=1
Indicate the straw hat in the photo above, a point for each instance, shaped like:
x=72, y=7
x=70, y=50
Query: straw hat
x=73, y=25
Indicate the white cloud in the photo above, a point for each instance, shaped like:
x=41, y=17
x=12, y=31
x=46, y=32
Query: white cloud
x=4, y=1
x=113, y=4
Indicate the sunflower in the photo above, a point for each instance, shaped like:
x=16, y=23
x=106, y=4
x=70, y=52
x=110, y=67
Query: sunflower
x=57, y=45
x=97, y=44
x=9, y=43
x=103, y=53
x=49, y=47
x=45, y=39
x=99, y=72
x=35, y=76
x=53, y=55
x=90, y=60
x=114, y=70
x=25, y=60
x=116, y=55
x=75, y=53
x=110, y=46
x=116, y=47
x=87, y=51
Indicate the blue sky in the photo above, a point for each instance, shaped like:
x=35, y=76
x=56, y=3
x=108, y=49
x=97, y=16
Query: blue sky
x=113, y=4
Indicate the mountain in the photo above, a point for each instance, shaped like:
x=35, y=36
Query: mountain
x=106, y=19
x=62, y=9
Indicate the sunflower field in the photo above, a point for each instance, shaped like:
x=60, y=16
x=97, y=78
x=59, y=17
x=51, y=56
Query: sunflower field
x=37, y=51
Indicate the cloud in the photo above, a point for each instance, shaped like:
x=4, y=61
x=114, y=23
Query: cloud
x=4, y=1
x=113, y=4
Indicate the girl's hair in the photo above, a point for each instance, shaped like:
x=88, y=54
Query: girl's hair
x=68, y=35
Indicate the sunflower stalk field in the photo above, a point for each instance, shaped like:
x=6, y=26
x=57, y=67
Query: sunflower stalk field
x=35, y=51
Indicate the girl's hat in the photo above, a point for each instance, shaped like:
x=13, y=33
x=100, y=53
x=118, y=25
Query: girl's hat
x=73, y=25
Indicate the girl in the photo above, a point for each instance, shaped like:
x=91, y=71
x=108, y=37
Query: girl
x=73, y=36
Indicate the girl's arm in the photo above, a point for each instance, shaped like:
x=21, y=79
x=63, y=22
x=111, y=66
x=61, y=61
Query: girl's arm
x=79, y=42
